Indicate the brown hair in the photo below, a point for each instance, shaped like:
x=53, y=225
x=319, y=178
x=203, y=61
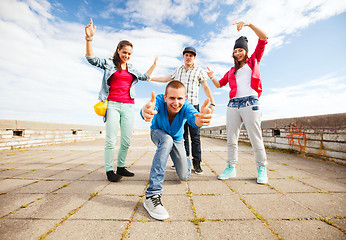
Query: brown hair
x=116, y=58
x=237, y=64
x=175, y=84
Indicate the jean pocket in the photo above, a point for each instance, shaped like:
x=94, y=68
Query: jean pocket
x=255, y=108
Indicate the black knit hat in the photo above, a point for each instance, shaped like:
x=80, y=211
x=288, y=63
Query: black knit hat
x=241, y=43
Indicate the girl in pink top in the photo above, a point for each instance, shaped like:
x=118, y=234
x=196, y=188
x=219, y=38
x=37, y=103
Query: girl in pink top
x=245, y=82
x=118, y=88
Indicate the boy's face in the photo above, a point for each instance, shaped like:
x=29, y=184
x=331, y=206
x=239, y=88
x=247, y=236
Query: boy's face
x=189, y=58
x=175, y=99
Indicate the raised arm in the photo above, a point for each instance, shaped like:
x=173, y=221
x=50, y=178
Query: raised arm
x=151, y=69
x=260, y=34
x=208, y=93
x=89, y=33
x=211, y=76
x=161, y=79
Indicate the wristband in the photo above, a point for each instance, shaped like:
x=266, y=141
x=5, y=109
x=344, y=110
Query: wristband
x=88, y=39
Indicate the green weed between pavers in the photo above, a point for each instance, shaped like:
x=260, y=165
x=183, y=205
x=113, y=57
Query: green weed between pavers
x=94, y=194
x=322, y=191
x=143, y=220
x=196, y=221
x=63, y=186
x=323, y=219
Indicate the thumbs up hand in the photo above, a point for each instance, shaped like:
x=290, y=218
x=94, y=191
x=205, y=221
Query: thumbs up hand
x=204, y=116
x=148, y=111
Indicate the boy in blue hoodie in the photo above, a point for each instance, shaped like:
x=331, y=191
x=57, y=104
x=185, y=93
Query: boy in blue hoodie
x=168, y=113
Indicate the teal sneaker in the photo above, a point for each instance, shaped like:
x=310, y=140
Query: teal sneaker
x=229, y=172
x=262, y=177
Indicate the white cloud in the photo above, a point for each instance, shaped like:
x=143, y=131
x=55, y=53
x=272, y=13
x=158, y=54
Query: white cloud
x=43, y=71
x=316, y=97
x=45, y=76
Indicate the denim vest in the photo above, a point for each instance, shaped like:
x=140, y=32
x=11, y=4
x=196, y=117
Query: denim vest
x=109, y=69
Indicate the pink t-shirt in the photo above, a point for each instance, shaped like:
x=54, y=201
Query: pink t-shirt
x=119, y=90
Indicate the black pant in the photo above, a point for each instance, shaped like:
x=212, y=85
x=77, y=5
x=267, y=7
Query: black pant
x=195, y=141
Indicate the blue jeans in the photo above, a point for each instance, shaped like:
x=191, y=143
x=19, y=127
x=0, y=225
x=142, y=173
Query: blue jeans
x=166, y=146
x=195, y=141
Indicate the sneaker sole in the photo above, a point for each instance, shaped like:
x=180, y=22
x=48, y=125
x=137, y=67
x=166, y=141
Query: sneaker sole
x=225, y=178
x=153, y=215
x=262, y=182
x=198, y=173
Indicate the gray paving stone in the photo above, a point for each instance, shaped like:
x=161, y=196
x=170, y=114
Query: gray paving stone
x=53, y=206
x=289, y=185
x=249, y=187
x=108, y=207
x=68, y=175
x=84, y=187
x=162, y=230
x=174, y=187
x=221, y=207
x=41, y=187
x=124, y=188
x=11, y=184
x=11, y=202
x=327, y=184
x=209, y=187
x=308, y=229
x=325, y=204
x=277, y=206
x=24, y=229
x=89, y=230
x=248, y=229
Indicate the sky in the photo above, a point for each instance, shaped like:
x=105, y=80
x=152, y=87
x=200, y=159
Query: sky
x=45, y=77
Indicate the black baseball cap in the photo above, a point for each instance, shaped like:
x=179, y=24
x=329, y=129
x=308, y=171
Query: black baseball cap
x=190, y=49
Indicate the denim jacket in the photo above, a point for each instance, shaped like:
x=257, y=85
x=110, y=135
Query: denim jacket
x=109, y=69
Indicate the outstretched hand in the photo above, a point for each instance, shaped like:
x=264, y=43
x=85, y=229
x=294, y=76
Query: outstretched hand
x=240, y=25
x=204, y=116
x=148, y=111
x=90, y=29
x=210, y=73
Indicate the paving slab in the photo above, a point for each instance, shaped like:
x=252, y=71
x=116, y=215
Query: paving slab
x=108, y=207
x=277, y=206
x=163, y=230
x=24, y=229
x=306, y=229
x=221, y=207
x=61, y=192
x=89, y=230
x=52, y=206
x=326, y=205
x=248, y=229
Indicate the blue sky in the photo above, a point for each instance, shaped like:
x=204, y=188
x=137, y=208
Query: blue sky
x=45, y=77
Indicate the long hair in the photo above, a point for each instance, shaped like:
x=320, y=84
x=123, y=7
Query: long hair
x=116, y=58
x=237, y=64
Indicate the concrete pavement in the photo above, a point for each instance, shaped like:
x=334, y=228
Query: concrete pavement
x=61, y=192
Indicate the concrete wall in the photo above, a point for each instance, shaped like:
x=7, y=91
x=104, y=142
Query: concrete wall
x=21, y=134
x=322, y=136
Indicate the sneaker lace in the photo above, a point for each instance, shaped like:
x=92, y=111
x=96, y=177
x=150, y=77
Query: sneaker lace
x=156, y=201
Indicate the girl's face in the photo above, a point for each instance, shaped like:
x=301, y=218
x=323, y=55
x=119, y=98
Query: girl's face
x=239, y=54
x=125, y=53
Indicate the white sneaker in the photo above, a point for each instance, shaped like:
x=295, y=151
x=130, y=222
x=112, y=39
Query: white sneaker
x=155, y=208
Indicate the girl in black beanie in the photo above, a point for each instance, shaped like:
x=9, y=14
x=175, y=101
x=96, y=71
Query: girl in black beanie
x=246, y=87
